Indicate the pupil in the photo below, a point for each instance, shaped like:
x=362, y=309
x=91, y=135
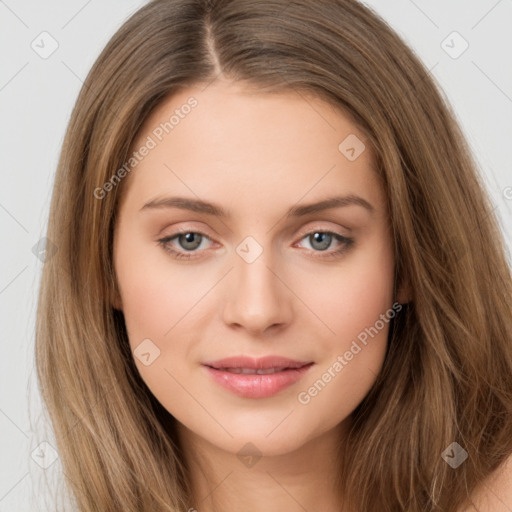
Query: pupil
x=189, y=239
x=321, y=237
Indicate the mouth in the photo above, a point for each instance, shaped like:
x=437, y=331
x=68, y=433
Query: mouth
x=257, y=378
x=252, y=371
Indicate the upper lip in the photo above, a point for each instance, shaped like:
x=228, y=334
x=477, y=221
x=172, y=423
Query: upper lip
x=262, y=363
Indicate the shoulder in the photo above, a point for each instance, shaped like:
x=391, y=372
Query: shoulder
x=495, y=493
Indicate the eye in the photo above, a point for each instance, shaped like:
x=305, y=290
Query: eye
x=320, y=241
x=190, y=241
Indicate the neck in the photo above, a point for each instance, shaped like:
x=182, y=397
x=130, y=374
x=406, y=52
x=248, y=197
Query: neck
x=298, y=481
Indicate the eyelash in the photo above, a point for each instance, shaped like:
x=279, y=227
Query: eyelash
x=345, y=241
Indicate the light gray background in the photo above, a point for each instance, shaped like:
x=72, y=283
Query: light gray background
x=36, y=98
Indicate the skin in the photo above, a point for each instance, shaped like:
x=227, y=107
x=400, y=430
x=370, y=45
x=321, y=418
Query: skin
x=255, y=155
x=495, y=493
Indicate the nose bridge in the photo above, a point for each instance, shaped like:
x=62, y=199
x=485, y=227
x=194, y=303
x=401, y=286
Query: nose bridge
x=256, y=297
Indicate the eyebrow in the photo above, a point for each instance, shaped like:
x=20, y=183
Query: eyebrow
x=199, y=206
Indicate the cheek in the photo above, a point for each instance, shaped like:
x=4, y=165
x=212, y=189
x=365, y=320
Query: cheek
x=157, y=300
x=351, y=296
x=356, y=304
x=155, y=292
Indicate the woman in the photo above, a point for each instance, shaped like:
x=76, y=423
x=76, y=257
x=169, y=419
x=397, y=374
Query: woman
x=279, y=282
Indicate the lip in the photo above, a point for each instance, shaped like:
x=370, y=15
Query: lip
x=257, y=385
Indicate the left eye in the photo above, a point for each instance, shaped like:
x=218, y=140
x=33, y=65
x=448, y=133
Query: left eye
x=190, y=241
x=323, y=239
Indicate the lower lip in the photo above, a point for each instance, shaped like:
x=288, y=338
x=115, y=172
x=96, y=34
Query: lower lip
x=257, y=386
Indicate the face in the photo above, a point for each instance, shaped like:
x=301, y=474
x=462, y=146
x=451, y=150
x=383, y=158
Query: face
x=243, y=265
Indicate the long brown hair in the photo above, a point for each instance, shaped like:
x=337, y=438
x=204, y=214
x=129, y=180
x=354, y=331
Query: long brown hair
x=447, y=376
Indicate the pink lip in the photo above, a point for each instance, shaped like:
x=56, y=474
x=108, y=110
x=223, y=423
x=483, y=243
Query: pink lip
x=256, y=385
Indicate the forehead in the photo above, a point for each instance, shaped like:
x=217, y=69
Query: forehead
x=231, y=141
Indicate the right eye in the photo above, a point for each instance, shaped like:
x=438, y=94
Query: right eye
x=188, y=240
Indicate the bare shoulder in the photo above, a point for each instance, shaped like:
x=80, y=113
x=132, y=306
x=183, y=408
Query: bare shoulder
x=495, y=494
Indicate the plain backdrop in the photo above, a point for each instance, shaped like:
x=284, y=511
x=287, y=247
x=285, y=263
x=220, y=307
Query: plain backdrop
x=37, y=93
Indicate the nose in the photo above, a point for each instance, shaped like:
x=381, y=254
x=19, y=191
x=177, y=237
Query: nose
x=257, y=296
